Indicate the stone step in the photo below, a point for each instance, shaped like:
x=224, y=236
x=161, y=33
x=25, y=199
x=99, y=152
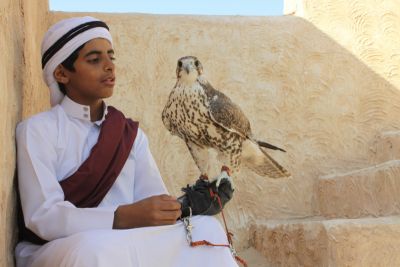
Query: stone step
x=341, y=242
x=373, y=191
x=386, y=146
x=253, y=258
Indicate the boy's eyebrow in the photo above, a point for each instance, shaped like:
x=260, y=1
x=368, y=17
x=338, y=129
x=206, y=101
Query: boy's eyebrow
x=97, y=52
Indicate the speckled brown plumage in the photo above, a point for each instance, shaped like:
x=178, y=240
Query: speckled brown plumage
x=206, y=118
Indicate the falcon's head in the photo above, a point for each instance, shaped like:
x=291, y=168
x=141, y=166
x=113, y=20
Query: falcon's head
x=188, y=69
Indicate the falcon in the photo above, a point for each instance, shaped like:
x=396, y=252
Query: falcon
x=205, y=118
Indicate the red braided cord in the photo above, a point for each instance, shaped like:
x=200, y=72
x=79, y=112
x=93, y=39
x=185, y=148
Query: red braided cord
x=206, y=243
x=242, y=261
x=228, y=234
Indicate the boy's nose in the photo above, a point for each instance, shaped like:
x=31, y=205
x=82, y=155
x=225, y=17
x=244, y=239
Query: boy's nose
x=109, y=66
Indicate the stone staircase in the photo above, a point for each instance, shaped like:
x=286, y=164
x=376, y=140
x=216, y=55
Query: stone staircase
x=358, y=222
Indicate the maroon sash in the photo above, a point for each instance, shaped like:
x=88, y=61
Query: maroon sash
x=87, y=187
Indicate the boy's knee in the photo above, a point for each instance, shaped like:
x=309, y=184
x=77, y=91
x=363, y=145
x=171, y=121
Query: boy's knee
x=208, y=226
x=209, y=222
x=81, y=250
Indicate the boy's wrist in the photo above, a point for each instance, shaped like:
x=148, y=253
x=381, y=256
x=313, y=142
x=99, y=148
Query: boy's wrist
x=119, y=222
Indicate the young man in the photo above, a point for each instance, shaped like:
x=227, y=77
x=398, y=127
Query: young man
x=86, y=171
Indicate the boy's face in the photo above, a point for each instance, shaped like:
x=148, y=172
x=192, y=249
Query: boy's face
x=94, y=75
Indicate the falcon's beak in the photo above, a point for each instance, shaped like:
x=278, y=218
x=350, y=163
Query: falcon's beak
x=187, y=68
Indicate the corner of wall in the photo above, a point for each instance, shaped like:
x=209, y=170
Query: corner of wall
x=24, y=23
x=293, y=7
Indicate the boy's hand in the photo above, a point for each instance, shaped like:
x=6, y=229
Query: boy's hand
x=152, y=211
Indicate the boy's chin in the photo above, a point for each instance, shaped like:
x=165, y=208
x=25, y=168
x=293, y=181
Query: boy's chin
x=106, y=96
x=107, y=93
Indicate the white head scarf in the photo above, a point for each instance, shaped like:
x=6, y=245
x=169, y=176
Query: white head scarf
x=57, y=31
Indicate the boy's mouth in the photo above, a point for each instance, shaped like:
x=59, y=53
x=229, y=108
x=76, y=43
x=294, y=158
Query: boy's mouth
x=110, y=81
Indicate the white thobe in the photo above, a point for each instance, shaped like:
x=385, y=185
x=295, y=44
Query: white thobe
x=50, y=147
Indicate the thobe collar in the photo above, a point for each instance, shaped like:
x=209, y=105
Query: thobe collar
x=79, y=111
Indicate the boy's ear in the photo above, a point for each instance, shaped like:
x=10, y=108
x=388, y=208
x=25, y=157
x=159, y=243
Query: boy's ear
x=60, y=74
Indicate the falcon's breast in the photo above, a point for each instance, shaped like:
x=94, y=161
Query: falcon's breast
x=186, y=113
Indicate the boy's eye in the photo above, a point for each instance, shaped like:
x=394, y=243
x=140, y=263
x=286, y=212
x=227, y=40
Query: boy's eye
x=93, y=60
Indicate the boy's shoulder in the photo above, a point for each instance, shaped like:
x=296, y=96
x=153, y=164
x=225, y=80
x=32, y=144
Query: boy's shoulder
x=44, y=121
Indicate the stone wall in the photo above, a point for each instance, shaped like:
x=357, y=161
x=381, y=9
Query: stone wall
x=35, y=92
x=22, y=24
x=11, y=43
x=368, y=105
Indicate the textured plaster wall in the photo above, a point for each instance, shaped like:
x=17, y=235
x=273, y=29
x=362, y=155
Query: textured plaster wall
x=20, y=23
x=11, y=45
x=36, y=22
x=322, y=87
x=370, y=31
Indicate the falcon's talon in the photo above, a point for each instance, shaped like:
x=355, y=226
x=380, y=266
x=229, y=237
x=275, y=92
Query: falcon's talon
x=226, y=168
x=219, y=178
x=203, y=177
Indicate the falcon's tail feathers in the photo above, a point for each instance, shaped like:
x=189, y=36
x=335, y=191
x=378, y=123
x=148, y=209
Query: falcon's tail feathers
x=267, y=145
x=257, y=159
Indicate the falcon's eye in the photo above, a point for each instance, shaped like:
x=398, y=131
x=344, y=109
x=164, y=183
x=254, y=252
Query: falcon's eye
x=196, y=63
x=180, y=64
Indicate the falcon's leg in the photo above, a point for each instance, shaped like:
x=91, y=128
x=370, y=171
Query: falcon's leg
x=231, y=163
x=200, y=157
x=225, y=174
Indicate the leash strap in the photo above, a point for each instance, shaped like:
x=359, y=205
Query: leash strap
x=188, y=227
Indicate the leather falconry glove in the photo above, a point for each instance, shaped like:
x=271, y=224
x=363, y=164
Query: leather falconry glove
x=202, y=198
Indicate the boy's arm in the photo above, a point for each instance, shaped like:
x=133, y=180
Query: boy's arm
x=42, y=198
x=148, y=181
x=152, y=205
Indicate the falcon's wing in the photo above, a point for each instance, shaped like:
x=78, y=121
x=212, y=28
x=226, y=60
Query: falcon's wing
x=165, y=116
x=226, y=113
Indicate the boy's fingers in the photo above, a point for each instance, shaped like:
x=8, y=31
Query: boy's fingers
x=167, y=197
x=171, y=215
x=171, y=205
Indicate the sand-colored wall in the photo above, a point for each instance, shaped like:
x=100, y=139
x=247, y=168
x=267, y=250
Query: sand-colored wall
x=11, y=43
x=20, y=23
x=369, y=106
x=367, y=29
x=36, y=22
